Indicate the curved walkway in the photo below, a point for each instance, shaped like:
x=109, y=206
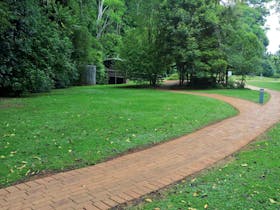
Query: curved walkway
x=131, y=176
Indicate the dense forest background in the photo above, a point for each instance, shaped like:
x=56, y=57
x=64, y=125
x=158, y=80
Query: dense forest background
x=45, y=43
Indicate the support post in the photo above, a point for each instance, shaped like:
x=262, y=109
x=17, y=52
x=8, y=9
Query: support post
x=261, y=99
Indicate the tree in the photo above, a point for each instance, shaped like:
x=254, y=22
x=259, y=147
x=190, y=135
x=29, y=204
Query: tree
x=189, y=29
x=109, y=13
x=142, y=58
x=245, y=40
x=35, y=56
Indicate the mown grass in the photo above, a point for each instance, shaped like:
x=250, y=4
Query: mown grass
x=250, y=95
x=264, y=79
x=249, y=181
x=255, y=78
x=81, y=126
x=262, y=82
x=269, y=85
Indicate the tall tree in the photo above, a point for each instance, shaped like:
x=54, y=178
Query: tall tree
x=30, y=46
x=245, y=38
x=141, y=49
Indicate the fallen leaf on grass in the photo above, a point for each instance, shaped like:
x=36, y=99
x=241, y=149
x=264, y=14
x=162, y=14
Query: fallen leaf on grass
x=244, y=165
x=21, y=167
x=273, y=201
x=32, y=173
x=195, y=194
x=206, y=206
x=148, y=200
x=27, y=172
x=127, y=140
x=36, y=157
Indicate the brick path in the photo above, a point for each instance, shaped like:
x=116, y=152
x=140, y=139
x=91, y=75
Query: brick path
x=126, y=178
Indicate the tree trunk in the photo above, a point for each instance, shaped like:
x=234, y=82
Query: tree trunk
x=101, y=25
x=227, y=77
x=182, y=77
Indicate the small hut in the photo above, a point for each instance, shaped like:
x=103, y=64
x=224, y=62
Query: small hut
x=114, y=76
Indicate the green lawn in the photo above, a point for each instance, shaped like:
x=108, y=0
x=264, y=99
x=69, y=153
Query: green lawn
x=256, y=78
x=269, y=85
x=250, y=181
x=80, y=126
x=263, y=79
x=263, y=82
x=246, y=94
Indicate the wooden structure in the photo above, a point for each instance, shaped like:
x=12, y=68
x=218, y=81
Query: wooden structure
x=114, y=76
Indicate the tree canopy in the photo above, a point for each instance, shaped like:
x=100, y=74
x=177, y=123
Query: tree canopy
x=45, y=43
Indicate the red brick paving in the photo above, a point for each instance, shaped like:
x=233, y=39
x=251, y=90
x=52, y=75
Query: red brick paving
x=131, y=176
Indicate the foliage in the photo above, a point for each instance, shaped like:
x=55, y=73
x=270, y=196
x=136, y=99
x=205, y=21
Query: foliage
x=46, y=43
x=268, y=66
x=206, y=39
x=173, y=76
x=273, y=62
x=143, y=59
x=30, y=48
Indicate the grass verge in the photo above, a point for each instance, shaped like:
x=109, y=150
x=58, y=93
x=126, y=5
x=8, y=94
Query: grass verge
x=256, y=78
x=81, y=126
x=249, y=181
x=250, y=95
x=269, y=85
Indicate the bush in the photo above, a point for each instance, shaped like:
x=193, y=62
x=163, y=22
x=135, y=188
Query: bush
x=174, y=76
x=35, y=54
x=202, y=82
x=276, y=76
x=235, y=84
